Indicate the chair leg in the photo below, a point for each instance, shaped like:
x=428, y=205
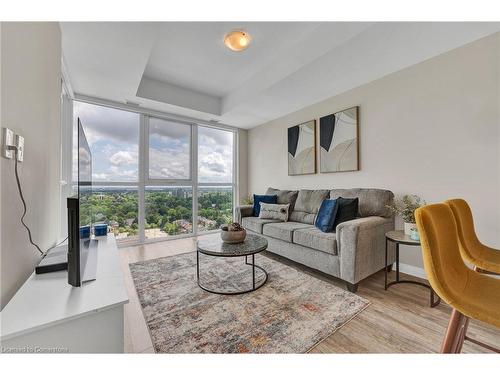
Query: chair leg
x=463, y=332
x=455, y=333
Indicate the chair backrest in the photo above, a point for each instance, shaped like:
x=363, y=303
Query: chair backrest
x=465, y=226
x=447, y=273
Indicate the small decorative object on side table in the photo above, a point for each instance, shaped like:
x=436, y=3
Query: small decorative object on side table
x=405, y=207
x=399, y=237
x=232, y=233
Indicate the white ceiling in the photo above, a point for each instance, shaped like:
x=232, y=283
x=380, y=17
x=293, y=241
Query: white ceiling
x=192, y=55
x=185, y=69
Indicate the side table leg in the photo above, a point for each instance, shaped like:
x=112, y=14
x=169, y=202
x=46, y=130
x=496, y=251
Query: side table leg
x=397, y=261
x=385, y=268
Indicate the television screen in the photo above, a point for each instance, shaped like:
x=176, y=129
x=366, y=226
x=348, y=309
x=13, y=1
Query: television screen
x=84, y=182
x=82, y=256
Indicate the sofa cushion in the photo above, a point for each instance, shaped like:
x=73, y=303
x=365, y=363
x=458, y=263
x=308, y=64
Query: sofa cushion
x=284, y=196
x=283, y=231
x=347, y=210
x=274, y=211
x=255, y=224
x=372, y=202
x=307, y=205
x=326, y=215
x=316, y=239
x=258, y=199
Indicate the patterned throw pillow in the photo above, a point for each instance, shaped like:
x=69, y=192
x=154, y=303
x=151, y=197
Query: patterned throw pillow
x=274, y=211
x=262, y=198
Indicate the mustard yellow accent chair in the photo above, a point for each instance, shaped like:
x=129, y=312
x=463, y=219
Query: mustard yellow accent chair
x=470, y=294
x=473, y=251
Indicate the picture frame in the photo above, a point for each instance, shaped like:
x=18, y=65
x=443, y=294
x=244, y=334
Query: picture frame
x=339, y=141
x=302, y=149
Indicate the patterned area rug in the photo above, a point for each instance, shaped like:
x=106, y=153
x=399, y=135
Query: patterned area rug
x=291, y=313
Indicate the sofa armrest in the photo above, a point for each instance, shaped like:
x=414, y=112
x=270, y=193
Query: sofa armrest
x=361, y=247
x=243, y=211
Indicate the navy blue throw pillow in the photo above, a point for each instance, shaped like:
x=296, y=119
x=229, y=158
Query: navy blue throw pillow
x=326, y=215
x=347, y=210
x=272, y=199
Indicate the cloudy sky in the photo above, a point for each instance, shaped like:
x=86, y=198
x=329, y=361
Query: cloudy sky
x=113, y=136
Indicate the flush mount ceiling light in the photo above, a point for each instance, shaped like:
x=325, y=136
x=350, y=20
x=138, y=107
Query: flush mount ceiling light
x=237, y=40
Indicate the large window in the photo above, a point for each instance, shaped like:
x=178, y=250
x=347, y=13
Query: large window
x=156, y=178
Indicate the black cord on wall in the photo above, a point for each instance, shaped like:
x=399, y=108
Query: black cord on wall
x=25, y=208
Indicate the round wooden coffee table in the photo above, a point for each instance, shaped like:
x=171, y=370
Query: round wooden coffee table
x=214, y=247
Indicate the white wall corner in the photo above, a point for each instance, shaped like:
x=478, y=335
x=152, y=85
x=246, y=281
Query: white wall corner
x=66, y=79
x=411, y=270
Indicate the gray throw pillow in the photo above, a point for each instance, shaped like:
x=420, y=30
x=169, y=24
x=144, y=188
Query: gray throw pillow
x=274, y=211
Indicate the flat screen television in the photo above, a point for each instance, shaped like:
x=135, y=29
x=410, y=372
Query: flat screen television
x=82, y=249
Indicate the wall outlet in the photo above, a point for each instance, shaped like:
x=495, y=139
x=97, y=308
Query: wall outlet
x=20, y=147
x=7, y=140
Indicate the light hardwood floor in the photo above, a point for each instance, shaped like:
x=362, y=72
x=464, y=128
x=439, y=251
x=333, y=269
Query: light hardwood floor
x=398, y=320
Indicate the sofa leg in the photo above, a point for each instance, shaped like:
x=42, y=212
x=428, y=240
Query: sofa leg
x=353, y=288
x=389, y=268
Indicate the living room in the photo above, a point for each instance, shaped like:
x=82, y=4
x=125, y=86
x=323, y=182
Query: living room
x=283, y=185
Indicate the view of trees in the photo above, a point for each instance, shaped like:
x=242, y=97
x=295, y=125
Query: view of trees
x=168, y=211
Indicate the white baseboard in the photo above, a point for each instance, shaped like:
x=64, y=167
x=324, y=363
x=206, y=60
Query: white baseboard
x=411, y=270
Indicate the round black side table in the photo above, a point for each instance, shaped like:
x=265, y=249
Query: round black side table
x=399, y=237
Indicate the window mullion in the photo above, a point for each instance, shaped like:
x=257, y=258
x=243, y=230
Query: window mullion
x=143, y=162
x=194, y=175
x=235, y=171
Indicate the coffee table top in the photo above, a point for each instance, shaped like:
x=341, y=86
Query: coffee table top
x=253, y=244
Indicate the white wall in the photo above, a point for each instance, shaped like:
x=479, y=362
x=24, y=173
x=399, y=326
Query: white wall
x=30, y=105
x=431, y=129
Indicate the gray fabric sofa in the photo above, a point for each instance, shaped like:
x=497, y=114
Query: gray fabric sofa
x=353, y=252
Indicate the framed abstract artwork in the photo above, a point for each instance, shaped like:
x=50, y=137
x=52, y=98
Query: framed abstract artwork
x=302, y=149
x=338, y=135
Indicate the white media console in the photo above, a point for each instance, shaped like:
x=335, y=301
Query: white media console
x=49, y=315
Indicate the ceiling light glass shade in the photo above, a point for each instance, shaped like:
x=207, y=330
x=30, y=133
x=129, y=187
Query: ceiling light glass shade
x=237, y=40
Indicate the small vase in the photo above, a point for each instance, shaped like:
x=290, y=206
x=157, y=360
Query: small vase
x=414, y=235
x=409, y=227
